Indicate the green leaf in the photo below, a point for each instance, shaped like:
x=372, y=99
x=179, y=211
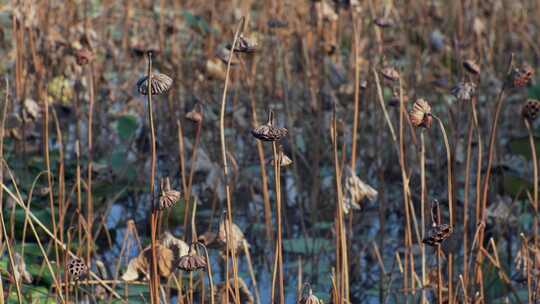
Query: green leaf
x=118, y=161
x=126, y=126
x=534, y=91
x=522, y=146
x=512, y=185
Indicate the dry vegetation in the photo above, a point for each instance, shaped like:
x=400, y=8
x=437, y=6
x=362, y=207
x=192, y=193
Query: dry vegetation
x=182, y=151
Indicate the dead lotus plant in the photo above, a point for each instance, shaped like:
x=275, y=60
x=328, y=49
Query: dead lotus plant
x=236, y=236
x=168, y=197
x=192, y=261
x=268, y=132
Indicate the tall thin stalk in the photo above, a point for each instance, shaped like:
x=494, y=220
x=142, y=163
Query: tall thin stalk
x=468, y=159
x=4, y=236
x=422, y=212
x=187, y=194
x=407, y=230
x=450, y=199
x=90, y=148
x=279, y=246
x=485, y=183
x=226, y=167
x=356, y=93
x=535, y=181
x=154, y=277
x=210, y=280
x=342, y=263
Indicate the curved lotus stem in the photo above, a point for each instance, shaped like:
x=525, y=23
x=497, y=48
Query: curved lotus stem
x=209, y=273
x=535, y=180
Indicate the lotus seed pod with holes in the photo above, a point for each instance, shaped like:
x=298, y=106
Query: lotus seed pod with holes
x=77, y=269
x=530, y=109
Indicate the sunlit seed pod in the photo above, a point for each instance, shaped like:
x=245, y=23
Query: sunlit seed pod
x=76, y=269
x=520, y=77
x=160, y=83
x=438, y=234
x=390, y=73
x=420, y=115
x=471, y=66
x=464, y=90
x=530, y=109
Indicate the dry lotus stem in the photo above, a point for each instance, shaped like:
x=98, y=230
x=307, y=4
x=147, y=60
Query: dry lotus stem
x=168, y=197
x=355, y=190
x=530, y=109
x=160, y=84
x=192, y=261
x=437, y=234
x=83, y=56
x=244, y=45
x=390, y=73
x=464, y=90
x=77, y=269
x=471, y=67
x=420, y=115
x=520, y=77
x=268, y=132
